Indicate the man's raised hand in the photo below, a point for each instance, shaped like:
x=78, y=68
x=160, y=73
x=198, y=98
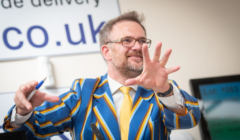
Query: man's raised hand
x=154, y=75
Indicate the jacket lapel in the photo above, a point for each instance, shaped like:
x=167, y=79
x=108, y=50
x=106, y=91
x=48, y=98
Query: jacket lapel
x=104, y=110
x=140, y=112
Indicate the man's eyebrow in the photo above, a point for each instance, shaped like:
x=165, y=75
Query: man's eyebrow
x=133, y=37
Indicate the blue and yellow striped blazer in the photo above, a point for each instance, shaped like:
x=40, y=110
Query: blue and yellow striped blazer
x=90, y=101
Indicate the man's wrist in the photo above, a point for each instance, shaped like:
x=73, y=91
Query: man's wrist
x=21, y=112
x=168, y=92
x=173, y=101
x=17, y=120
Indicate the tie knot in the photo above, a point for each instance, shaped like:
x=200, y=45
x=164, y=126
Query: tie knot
x=125, y=90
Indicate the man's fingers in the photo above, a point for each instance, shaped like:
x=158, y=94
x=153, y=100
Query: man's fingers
x=31, y=85
x=28, y=87
x=157, y=52
x=172, y=69
x=146, y=57
x=164, y=59
x=23, y=88
x=22, y=101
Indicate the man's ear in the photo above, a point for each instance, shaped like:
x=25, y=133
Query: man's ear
x=106, y=52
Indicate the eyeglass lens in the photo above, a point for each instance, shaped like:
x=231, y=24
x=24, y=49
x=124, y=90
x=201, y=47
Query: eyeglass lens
x=129, y=42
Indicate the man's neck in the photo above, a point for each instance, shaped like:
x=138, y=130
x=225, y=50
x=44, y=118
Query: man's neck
x=117, y=77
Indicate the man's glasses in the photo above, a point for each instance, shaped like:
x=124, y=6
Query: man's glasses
x=130, y=42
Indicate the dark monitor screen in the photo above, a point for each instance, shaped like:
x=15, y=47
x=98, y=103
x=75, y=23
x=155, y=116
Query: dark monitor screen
x=219, y=99
x=17, y=135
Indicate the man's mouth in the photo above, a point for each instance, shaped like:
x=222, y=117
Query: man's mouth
x=135, y=57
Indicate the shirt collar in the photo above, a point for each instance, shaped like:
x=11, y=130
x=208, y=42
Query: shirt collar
x=114, y=85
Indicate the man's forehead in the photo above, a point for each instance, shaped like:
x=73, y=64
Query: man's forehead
x=127, y=28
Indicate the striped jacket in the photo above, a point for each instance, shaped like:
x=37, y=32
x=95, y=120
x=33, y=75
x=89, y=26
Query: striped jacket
x=90, y=101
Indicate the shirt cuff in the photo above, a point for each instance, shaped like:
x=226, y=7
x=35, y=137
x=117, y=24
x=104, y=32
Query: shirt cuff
x=175, y=101
x=17, y=120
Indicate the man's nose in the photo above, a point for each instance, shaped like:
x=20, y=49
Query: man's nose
x=137, y=46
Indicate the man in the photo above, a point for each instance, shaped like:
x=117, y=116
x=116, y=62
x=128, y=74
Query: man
x=134, y=100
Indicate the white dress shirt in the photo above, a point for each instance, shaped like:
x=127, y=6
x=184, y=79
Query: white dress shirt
x=174, y=101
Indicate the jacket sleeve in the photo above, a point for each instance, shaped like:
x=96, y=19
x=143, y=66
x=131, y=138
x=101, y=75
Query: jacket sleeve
x=191, y=119
x=51, y=119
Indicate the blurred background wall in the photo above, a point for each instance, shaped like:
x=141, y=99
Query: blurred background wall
x=204, y=36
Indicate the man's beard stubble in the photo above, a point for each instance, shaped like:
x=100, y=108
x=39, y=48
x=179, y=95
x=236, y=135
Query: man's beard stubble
x=128, y=70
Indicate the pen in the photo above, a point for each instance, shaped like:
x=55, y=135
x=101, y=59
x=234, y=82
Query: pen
x=96, y=131
x=35, y=89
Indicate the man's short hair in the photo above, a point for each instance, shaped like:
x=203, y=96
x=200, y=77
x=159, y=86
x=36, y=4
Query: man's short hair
x=129, y=16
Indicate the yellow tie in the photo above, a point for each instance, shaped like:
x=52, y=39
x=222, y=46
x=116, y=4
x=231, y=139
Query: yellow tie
x=125, y=112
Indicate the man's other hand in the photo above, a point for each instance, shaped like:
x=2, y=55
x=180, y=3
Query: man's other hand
x=23, y=106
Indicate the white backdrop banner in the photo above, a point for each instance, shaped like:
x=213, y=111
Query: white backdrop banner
x=31, y=28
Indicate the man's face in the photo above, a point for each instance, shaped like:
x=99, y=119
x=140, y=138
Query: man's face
x=128, y=60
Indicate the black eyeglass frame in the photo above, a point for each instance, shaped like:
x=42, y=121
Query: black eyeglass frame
x=149, y=41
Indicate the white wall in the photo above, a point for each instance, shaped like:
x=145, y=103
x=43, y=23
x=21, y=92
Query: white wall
x=204, y=36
